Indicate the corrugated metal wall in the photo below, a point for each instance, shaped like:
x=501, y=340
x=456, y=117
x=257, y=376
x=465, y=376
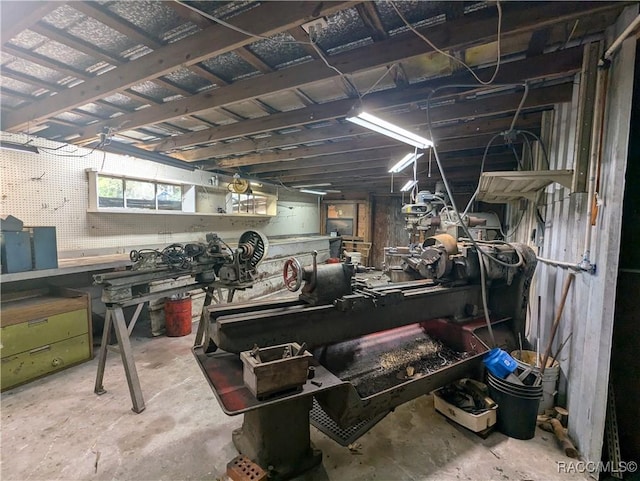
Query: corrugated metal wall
x=588, y=314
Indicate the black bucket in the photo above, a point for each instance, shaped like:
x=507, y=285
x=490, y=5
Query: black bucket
x=517, y=407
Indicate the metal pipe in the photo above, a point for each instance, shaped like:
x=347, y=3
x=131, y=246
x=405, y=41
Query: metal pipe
x=621, y=38
x=596, y=142
x=570, y=265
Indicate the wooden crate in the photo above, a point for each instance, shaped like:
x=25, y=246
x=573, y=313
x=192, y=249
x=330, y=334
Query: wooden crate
x=269, y=373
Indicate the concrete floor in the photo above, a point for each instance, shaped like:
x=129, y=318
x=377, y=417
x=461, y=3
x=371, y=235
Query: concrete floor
x=56, y=428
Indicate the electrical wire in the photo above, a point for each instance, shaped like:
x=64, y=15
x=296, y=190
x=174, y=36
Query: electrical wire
x=520, y=105
x=542, y=145
x=442, y=52
x=481, y=253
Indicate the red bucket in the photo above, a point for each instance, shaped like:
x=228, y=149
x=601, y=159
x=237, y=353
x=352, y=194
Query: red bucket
x=177, y=317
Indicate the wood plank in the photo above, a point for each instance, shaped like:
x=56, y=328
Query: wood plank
x=586, y=109
x=19, y=16
x=543, y=66
x=479, y=107
x=371, y=18
x=267, y=19
x=473, y=29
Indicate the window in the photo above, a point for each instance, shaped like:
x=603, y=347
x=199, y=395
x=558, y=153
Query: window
x=248, y=204
x=110, y=192
x=138, y=194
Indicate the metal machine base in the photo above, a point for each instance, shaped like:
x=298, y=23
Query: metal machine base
x=277, y=437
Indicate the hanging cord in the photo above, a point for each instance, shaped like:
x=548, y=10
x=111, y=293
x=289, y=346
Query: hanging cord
x=481, y=254
x=311, y=43
x=457, y=60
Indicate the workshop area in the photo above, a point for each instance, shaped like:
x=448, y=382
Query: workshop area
x=272, y=240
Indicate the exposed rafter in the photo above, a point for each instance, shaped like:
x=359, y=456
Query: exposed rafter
x=471, y=29
x=267, y=19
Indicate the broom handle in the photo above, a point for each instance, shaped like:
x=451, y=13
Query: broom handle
x=556, y=321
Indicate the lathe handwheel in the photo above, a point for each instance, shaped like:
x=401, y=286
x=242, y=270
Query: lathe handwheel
x=292, y=274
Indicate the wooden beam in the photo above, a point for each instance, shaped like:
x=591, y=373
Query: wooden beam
x=475, y=127
x=117, y=23
x=28, y=79
x=299, y=35
x=479, y=107
x=400, y=77
x=382, y=153
x=64, y=38
x=332, y=176
x=190, y=15
x=44, y=61
x=449, y=148
x=18, y=16
x=169, y=85
x=475, y=28
x=252, y=59
x=568, y=60
x=304, y=98
x=371, y=18
x=17, y=95
x=267, y=19
x=538, y=42
x=207, y=74
x=139, y=97
x=60, y=36
x=375, y=174
x=385, y=164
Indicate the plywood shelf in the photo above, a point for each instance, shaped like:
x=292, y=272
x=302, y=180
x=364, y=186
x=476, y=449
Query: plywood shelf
x=500, y=187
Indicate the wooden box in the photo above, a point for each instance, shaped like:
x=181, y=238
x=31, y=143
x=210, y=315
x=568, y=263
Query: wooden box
x=473, y=422
x=44, y=333
x=269, y=373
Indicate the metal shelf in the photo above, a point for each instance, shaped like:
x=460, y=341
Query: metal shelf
x=500, y=187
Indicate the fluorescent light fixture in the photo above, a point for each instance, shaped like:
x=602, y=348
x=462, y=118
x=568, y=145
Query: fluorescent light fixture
x=404, y=162
x=304, y=186
x=390, y=130
x=316, y=192
x=409, y=185
x=32, y=149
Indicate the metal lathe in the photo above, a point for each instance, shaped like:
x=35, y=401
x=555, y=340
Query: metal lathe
x=373, y=348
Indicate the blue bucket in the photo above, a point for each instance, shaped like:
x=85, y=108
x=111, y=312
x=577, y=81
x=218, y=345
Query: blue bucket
x=499, y=363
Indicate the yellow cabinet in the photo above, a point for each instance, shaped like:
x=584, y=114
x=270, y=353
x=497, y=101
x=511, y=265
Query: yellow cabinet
x=43, y=334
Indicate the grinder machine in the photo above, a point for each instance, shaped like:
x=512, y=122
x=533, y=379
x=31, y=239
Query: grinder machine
x=356, y=352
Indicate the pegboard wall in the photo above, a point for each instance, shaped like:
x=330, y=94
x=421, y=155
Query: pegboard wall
x=51, y=189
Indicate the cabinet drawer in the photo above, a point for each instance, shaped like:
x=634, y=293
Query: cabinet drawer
x=40, y=332
x=23, y=367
